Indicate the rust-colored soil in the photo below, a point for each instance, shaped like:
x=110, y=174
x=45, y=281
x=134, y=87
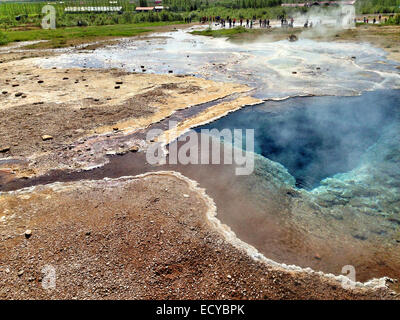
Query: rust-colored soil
x=140, y=238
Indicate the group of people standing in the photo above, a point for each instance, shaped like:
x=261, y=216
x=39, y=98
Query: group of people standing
x=375, y=20
x=285, y=23
x=249, y=23
x=366, y=20
x=233, y=22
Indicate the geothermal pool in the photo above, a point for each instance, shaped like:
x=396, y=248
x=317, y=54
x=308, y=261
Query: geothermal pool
x=325, y=191
x=318, y=137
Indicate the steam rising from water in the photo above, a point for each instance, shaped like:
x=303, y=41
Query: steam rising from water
x=327, y=19
x=315, y=138
x=276, y=69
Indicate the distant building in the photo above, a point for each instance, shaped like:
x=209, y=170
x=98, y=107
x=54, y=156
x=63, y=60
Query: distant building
x=148, y=9
x=319, y=3
x=144, y=9
x=293, y=4
x=92, y=9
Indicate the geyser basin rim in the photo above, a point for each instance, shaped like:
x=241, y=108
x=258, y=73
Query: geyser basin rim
x=211, y=215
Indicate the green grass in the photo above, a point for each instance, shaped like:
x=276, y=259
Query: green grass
x=222, y=32
x=3, y=38
x=62, y=37
x=30, y=14
x=395, y=20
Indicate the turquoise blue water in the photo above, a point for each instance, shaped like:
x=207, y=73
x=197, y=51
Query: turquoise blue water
x=317, y=137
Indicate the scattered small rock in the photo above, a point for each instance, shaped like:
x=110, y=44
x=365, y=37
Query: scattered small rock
x=120, y=152
x=360, y=236
x=5, y=149
x=28, y=233
x=46, y=137
x=117, y=87
x=394, y=220
x=18, y=94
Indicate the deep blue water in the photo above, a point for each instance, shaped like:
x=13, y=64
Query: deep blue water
x=316, y=137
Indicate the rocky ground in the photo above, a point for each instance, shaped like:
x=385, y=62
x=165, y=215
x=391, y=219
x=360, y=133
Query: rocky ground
x=50, y=117
x=136, y=238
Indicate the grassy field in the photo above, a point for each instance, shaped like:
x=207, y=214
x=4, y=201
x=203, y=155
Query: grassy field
x=62, y=37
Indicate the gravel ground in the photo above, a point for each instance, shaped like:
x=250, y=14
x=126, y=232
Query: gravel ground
x=135, y=238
